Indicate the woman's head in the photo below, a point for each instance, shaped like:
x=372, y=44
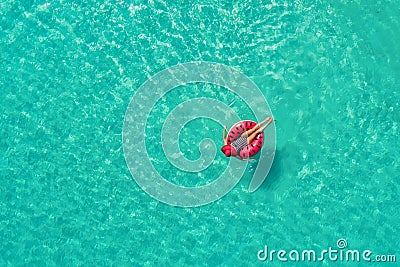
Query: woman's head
x=228, y=150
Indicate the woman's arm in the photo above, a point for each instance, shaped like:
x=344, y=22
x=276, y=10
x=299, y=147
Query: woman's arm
x=224, y=135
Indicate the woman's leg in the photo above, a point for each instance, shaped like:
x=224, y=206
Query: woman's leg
x=250, y=131
x=253, y=135
x=257, y=127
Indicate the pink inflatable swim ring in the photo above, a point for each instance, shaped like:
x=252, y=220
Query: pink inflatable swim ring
x=251, y=149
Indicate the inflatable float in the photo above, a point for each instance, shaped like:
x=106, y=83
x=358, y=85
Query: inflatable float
x=251, y=149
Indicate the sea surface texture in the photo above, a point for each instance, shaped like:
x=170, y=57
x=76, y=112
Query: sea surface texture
x=330, y=71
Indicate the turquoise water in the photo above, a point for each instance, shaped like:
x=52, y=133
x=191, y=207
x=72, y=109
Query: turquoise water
x=329, y=69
